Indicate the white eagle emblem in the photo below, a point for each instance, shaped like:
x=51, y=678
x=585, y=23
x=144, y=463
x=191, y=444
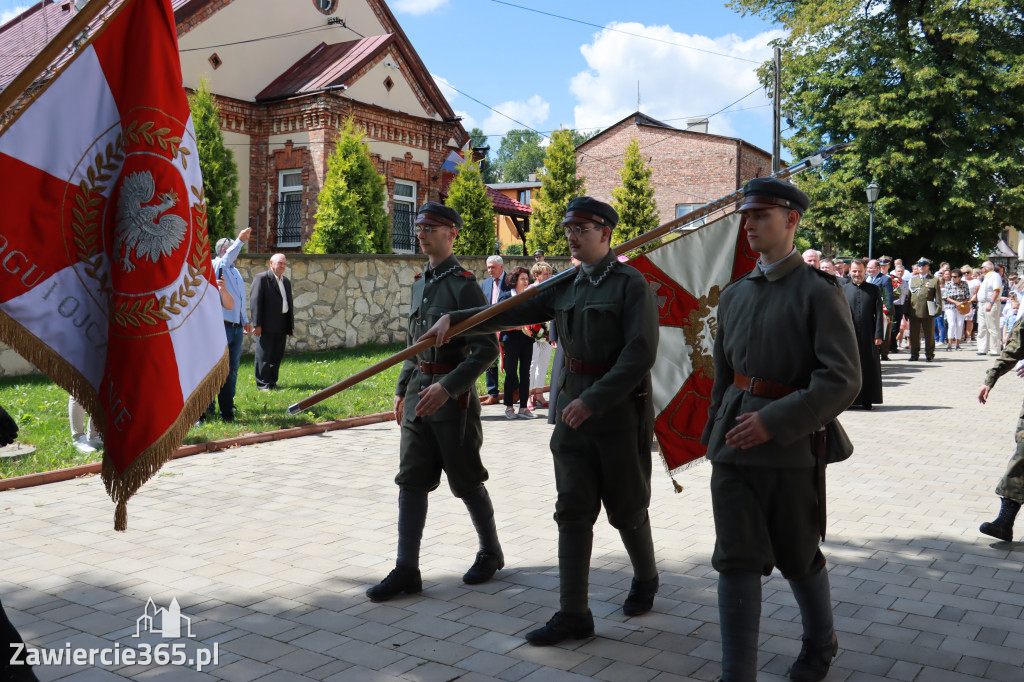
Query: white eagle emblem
x=138, y=226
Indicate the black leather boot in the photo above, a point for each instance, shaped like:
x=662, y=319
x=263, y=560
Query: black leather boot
x=641, y=596
x=484, y=568
x=563, y=626
x=739, y=615
x=401, y=579
x=1002, y=527
x=814, y=661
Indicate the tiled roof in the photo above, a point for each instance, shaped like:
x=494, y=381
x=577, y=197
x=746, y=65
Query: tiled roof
x=324, y=66
x=499, y=202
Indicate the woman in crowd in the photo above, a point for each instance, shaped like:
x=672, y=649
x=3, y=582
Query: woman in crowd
x=517, y=349
x=542, y=348
x=973, y=284
x=956, y=305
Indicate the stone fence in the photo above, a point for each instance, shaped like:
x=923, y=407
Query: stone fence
x=340, y=300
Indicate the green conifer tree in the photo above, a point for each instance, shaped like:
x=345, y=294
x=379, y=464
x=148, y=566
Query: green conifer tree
x=350, y=217
x=559, y=183
x=468, y=196
x=634, y=198
x=220, y=174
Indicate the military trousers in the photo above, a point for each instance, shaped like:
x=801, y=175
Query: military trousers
x=450, y=445
x=766, y=517
x=1011, y=485
x=926, y=326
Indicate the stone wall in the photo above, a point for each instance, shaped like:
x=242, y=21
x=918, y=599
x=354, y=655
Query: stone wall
x=340, y=301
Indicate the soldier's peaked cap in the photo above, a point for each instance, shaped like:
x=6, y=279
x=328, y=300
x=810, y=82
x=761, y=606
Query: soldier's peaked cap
x=772, y=192
x=438, y=214
x=590, y=210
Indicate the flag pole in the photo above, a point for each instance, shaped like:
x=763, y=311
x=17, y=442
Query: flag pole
x=60, y=42
x=812, y=161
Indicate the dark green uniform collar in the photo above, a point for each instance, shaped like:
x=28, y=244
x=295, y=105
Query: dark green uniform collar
x=786, y=266
x=448, y=263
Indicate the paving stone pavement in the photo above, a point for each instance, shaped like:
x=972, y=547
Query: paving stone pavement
x=268, y=550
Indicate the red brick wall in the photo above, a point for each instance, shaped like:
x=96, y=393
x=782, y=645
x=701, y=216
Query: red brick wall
x=688, y=167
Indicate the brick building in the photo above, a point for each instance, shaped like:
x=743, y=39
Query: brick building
x=286, y=74
x=689, y=167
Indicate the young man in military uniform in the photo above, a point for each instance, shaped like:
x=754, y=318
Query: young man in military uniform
x=437, y=406
x=924, y=288
x=786, y=365
x=607, y=324
x=1011, y=486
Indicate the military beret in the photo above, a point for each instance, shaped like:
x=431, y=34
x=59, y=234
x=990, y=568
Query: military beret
x=434, y=213
x=590, y=210
x=923, y=261
x=771, y=192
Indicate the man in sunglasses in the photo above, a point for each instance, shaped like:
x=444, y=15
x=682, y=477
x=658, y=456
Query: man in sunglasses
x=607, y=324
x=437, y=406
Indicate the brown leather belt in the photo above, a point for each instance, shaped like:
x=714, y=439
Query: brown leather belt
x=437, y=367
x=583, y=367
x=761, y=387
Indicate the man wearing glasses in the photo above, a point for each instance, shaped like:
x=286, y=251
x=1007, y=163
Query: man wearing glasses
x=607, y=324
x=437, y=406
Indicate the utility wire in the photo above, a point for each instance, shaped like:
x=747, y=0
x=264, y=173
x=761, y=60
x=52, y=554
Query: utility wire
x=635, y=35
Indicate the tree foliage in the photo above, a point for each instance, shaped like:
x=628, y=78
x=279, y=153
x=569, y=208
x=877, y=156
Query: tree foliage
x=468, y=196
x=560, y=182
x=634, y=198
x=350, y=217
x=487, y=170
x=519, y=155
x=930, y=95
x=220, y=174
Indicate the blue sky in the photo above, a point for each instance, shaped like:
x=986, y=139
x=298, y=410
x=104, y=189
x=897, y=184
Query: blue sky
x=547, y=72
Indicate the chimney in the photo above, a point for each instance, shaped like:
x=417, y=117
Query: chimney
x=697, y=125
x=532, y=177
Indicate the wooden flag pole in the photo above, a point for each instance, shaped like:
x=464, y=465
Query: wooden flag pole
x=24, y=80
x=810, y=162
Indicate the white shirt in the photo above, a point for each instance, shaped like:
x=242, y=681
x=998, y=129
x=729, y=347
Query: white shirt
x=284, y=296
x=989, y=286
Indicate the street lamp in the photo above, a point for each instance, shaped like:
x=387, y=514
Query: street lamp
x=872, y=191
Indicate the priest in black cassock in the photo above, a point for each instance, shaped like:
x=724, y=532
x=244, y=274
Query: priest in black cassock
x=869, y=324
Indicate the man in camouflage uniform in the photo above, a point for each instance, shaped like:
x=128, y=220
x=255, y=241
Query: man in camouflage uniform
x=1011, y=487
x=607, y=324
x=786, y=364
x=437, y=405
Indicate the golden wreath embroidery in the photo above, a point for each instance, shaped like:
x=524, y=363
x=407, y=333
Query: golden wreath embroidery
x=700, y=318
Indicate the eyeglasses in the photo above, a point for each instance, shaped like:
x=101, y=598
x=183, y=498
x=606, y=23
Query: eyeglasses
x=578, y=230
x=427, y=229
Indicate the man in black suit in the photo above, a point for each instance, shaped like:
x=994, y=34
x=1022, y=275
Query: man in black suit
x=495, y=289
x=273, y=319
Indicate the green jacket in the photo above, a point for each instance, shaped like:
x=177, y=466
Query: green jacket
x=1011, y=355
x=434, y=293
x=793, y=327
x=922, y=290
x=614, y=322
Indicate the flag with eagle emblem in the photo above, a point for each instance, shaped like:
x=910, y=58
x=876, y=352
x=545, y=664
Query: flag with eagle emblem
x=687, y=275
x=105, y=276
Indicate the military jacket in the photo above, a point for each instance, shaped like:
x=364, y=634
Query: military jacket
x=435, y=292
x=609, y=317
x=791, y=326
x=1011, y=355
x=922, y=290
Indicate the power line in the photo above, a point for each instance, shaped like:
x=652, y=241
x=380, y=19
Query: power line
x=635, y=35
x=289, y=34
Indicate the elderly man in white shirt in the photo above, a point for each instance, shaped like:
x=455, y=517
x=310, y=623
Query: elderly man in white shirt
x=989, y=309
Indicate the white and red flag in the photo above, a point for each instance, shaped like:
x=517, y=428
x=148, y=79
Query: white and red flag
x=105, y=277
x=687, y=276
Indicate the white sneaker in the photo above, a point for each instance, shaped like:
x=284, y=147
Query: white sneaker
x=526, y=414
x=81, y=444
x=510, y=413
x=96, y=443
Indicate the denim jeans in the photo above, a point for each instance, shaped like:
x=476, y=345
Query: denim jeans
x=226, y=397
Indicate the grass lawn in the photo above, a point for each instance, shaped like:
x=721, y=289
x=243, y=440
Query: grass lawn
x=41, y=407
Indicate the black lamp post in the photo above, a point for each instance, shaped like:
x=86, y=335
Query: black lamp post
x=872, y=191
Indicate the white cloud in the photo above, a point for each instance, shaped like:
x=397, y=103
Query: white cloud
x=9, y=14
x=451, y=94
x=418, y=6
x=675, y=82
x=533, y=112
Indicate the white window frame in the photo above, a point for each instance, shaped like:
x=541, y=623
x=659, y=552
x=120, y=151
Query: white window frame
x=283, y=191
x=397, y=198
